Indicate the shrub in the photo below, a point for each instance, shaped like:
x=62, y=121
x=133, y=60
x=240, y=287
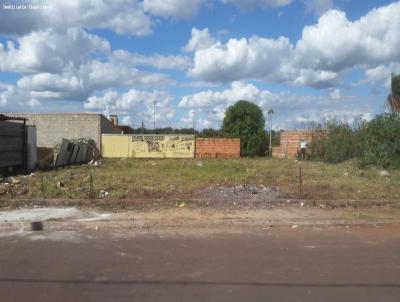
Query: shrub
x=381, y=142
x=374, y=143
x=334, y=142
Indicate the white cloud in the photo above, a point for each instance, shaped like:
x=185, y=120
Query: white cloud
x=200, y=39
x=318, y=7
x=316, y=78
x=264, y=4
x=201, y=120
x=381, y=75
x=325, y=51
x=13, y=97
x=78, y=84
x=121, y=16
x=156, y=60
x=101, y=102
x=245, y=58
x=337, y=44
x=50, y=51
x=134, y=103
x=181, y=9
x=210, y=98
x=335, y=94
x=291, y=110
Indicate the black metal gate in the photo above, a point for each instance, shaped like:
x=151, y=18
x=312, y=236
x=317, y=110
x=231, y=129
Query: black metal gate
x=12, y=142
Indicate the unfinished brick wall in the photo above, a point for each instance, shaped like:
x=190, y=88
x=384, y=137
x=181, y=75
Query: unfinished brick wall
x=217, y=147
x=290, y=143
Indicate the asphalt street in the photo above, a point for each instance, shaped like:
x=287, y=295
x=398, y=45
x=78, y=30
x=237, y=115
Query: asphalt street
x=276, y=264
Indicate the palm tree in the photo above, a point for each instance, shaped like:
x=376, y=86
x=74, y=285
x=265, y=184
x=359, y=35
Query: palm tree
x=270, y=113
x=393, y=100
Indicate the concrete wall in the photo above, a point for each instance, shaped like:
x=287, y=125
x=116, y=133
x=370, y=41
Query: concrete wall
x=290, y=143
x=217, y=148
x=148, y=146
x=107, y=127
x=53, y=127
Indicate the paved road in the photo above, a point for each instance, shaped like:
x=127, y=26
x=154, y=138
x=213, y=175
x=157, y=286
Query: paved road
x=284, y=264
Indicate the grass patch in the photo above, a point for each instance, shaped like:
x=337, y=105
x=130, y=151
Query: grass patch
x=181, y=179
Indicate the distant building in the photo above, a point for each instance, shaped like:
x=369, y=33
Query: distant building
x=51, y=128
x=290, y=143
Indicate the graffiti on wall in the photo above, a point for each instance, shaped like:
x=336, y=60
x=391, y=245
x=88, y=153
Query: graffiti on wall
x=162, y=146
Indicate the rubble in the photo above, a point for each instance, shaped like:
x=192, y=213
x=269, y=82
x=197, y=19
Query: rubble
x=60, y=184
x=14, y=185
x=94, y=163
x=384, y=173
x=14, y=180
x=103, y=193
x=181, y=204
x=240, y=195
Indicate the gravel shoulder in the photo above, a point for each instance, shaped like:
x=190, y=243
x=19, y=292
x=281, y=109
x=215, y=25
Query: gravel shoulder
x=194, y=219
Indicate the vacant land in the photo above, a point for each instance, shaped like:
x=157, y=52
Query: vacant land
x=165, y=181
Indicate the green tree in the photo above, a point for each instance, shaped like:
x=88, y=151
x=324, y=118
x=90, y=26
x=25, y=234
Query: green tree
x=246, y=121
x=393, y=100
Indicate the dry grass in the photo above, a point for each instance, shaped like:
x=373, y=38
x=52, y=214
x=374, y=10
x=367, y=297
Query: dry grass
x=168, y=179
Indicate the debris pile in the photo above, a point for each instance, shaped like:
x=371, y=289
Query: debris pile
x=14, y=185
x=75, y=151
x=240, y=195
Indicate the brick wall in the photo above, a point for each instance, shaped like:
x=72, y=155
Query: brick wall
x=290, y=143
x=217, y=148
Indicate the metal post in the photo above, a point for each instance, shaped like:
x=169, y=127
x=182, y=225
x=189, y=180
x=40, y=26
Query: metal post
x=270, y=137
x=154, y=115
x=194, y=132
x=300, y=184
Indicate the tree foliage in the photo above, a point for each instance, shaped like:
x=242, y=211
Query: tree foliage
x=393, y=100
x=246, y=121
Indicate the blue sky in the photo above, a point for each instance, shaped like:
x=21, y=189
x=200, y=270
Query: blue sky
x=309, y=60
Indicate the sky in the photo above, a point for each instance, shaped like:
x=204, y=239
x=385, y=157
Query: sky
x=188, y=60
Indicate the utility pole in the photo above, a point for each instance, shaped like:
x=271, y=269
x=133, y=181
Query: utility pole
x=154, y=115
x=193, y=113
x=270, y=113
x=142, y=127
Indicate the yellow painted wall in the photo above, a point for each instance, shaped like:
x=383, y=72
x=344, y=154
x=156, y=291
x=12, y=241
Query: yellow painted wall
x=148, y=146
x=114, y=145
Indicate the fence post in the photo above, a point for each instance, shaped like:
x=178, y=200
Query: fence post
x=91, y=189
x=300, y=184
x=42, y=187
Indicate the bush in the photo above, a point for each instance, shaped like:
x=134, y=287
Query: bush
x=334, y=142
x=374, y=143
x=381, y=142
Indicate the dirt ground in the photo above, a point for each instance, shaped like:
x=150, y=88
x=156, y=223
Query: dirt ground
x=195, y=220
